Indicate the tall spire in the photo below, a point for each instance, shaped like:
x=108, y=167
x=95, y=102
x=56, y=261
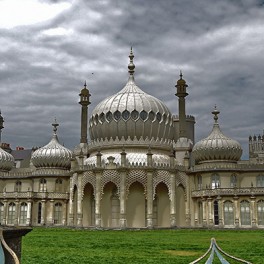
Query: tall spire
x=84, y=102
x=181, y=93
x=131, y=65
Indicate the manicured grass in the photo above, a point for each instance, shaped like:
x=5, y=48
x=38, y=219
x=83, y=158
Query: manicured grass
x=63, y=246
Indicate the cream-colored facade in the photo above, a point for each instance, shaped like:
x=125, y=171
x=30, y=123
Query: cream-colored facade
x=139, y=169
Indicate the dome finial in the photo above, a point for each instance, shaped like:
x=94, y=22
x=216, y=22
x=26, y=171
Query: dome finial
x=215, y=112
x=85, y=85
x=131, y=65
x=55, y=125
x=181, y=74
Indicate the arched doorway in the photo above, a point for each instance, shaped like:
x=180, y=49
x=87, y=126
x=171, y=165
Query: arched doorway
x=110, y=206
x=161, y=206
x=88, y=205
x=136, y=206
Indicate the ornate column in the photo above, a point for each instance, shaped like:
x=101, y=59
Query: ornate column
x=98, y=199
x=5, y=213
x=237, y=211
x=220, y=211
x=253, y=211
x=64, y=213
x=71, y=215
x=17, y=212
x=29, y=206
x=79, y=202
x=173, y=201
x=210, y=214
x=43, y=212
x=123, y=220
x=51, y=213
x=187, y=203
x=150, y=198
x=204, y=212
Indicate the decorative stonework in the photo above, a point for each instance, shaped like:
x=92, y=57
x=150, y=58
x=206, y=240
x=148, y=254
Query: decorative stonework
x=88, y=177
x=137, y=176
x=161, y=177
x=110, y=176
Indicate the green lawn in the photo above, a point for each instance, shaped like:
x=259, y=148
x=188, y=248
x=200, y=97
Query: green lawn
x=57, y=245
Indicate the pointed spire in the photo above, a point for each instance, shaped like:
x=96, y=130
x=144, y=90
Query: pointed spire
x=215, y=112
x=85, y=84
x=131, y=66
x=180, y=74
x=55, y=125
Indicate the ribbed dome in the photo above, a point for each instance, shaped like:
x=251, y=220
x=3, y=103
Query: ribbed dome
x=131, y=113
x=53, y=155
x=7, y=161
x=217, y=147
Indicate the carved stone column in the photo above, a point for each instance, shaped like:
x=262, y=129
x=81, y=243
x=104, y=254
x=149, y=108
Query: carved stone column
x=173, y=201
x=98, y=199
x=17, y=210
x=220, y=211
x=123, y=221
x=253, y=211
x=79, y=203
x=64, y=213
x=210, y=213
x=150, y=198
x=29, y=206
x=204, y=212
x=5, y=213
x=237, y=211
x=43, y=212
x=51, y=213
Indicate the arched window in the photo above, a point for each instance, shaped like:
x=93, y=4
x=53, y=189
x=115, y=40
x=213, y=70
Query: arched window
x=228, y=213
x=200, y=182
x=260, y=208
x=58, y=213
x=1, y=213
x=18, y=186
x=42, y=185
x=215, y=181
x=260, y=181
x=233, y=181
x=245, y=213
x=216, y=213
x=23, y=213
x=58, y=185
x=11, y=213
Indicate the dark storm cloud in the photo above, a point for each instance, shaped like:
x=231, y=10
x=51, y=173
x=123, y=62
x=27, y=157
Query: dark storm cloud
x=217, y=44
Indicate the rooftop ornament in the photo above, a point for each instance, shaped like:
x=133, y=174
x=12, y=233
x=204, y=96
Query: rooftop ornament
x=216, y=250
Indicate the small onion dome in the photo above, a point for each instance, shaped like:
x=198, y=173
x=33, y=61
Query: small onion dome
x=217, y=147
x=53, y=155
x=6, y=160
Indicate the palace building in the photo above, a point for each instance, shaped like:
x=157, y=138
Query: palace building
x=140, y=168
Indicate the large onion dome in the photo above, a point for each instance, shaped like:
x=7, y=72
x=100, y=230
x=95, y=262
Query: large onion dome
x=217, y=146
x=53, y=155
x=131, y=113
x=7, y=161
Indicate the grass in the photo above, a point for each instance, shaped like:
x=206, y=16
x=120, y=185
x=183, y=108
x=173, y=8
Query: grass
x=63, y=246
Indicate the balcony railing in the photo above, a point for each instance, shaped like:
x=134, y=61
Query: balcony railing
x=252, y=191
x=34, y=195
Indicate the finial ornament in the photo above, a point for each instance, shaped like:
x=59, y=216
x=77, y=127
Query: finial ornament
x=85, y=84
x=131, y=66
x=215, y=112
x=181, y=74
x=55, y=125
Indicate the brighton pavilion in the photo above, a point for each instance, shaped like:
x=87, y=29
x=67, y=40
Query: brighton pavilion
x=139, y=167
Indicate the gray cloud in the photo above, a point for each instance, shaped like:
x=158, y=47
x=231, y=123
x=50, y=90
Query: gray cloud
x=218, y=46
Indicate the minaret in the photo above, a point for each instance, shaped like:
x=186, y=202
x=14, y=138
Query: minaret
x=1, y=127
x=84, y=102
x=181, y=93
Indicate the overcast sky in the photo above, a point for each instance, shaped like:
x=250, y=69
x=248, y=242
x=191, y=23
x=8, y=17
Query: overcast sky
x=48, y=49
